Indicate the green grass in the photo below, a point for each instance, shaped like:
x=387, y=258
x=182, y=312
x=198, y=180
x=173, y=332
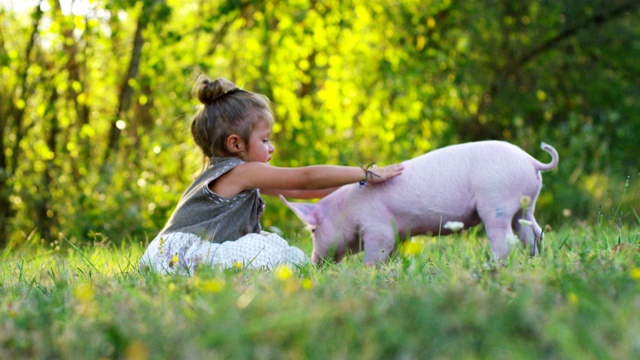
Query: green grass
x=578, y=300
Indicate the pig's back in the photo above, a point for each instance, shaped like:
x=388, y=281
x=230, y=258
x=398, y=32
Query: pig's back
x=448, y=180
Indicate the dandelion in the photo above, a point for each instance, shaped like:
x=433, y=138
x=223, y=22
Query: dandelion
x=212, y=286
x=237, y=265
x=174, y=260
x=307, y=284
x=412, y=247
x=525, y=201
x=525, y=222
x=283, y=272
x=635, y=273
x=572, y=298
x=453, y=225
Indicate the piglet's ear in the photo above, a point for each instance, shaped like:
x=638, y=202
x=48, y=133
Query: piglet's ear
x=305, y=211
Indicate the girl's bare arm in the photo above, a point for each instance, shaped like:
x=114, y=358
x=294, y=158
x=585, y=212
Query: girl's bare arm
x=276, y=180
x=300, y=194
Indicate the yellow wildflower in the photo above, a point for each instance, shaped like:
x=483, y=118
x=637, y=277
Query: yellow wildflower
x=212, y=285
x=174, y=260
x=307, y=284
x=283, y=272
x=572, y=298
x=635, y=273
x=412, y=247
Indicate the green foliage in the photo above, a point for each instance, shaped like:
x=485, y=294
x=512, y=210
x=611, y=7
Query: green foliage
x=442, y=299
x=96, y=102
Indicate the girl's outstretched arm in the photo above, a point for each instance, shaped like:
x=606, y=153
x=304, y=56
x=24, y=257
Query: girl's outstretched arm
x=276, y=180
x=300, y=194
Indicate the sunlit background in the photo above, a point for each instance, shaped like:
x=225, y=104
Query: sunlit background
x=96, y=98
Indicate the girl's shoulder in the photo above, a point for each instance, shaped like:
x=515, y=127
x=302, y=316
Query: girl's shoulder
x=220, y=161
x=220, y=166
x=215, y=169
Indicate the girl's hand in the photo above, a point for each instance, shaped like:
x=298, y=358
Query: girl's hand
x=376, y=175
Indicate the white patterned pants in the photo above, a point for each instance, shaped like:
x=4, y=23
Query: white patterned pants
x=182, y=253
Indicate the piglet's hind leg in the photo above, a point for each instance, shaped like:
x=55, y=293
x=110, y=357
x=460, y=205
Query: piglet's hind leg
x=497, y=223
x=529, y=233
x=528, y=230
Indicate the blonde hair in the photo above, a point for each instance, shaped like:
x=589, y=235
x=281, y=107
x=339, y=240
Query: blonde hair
x=225, y=110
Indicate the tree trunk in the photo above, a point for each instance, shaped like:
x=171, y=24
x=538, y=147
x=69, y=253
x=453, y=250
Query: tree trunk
x=126, y=91
x=46, y=219
x=5, y=191
x=14, y=122
x=76, y=71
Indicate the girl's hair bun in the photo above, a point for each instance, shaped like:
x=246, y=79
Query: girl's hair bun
x=207, y=91
x=226, y=111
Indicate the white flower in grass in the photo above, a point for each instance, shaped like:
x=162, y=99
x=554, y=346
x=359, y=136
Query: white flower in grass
x=525, y=222
x=453, y=225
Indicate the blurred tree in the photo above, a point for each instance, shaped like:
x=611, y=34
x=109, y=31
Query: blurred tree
x=13, y=113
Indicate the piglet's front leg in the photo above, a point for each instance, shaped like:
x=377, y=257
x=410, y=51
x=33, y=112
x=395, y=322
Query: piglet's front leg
x=379, y=243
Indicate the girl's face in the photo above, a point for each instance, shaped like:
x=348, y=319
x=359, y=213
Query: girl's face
x=260, y=147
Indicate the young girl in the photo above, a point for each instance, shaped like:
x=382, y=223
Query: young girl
x=216, y=221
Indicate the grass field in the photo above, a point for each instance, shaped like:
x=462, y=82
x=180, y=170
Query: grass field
x=440, y=297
